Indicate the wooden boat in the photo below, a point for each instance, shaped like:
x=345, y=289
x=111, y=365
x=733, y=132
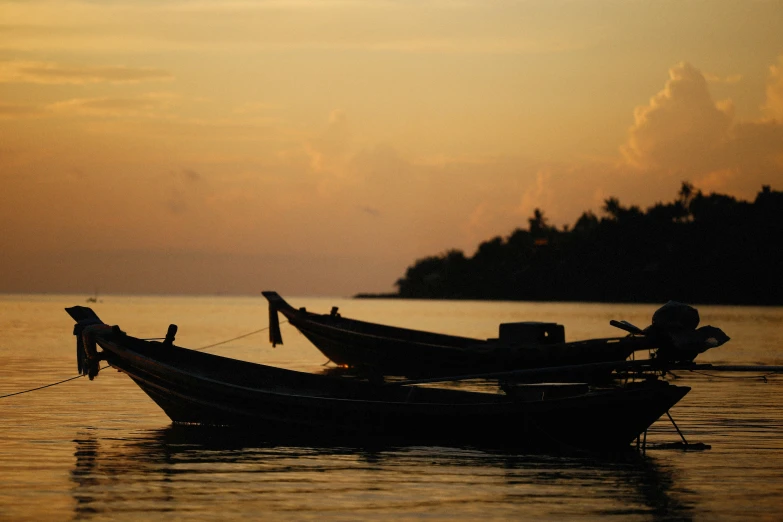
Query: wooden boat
x=199, y=388
x=390, y=350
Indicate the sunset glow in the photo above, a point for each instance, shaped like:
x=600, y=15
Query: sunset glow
x=320, y=147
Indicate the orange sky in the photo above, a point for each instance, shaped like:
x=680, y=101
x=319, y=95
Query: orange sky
x=321, y=146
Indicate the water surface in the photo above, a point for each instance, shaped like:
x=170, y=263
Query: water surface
x=103, y=450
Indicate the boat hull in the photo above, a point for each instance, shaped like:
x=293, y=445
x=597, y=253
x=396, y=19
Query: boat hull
x=389, y=350
x=193, y=387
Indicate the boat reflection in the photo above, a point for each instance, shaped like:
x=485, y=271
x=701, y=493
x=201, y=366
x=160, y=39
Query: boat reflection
x=204, y=472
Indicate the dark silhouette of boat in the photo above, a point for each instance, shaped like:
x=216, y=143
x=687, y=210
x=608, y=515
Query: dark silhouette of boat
x=198, y=388
x=389, y=350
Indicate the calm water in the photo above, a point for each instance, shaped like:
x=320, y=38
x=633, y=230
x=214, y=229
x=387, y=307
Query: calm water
x=102, y=450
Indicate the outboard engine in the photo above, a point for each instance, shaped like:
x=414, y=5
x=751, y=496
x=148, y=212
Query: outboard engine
x=674, y=330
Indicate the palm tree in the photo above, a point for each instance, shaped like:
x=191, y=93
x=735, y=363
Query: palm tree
x=613, y=208
x=538, y=223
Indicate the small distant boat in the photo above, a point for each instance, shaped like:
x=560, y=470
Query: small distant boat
x=93, y=298
x=198, y=388
x=390, y=350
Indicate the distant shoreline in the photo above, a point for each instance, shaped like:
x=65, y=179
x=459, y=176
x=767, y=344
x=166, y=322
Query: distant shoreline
x=575, y=300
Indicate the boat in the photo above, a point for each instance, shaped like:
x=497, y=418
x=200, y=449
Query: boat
x=390, y=350
x=194, y=387
x=93, y=298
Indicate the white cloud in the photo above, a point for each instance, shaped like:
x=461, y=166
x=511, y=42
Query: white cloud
x=681, y=127
x=680, y=135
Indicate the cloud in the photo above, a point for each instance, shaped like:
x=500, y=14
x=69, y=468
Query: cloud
x=754, y=157
x=773, y=107
x=731, y=79
x=682, y=134
x=682, y=131
x=328, y=154
x=430, y=27
x=681, y=127
x=54, y=73
x=147, y=104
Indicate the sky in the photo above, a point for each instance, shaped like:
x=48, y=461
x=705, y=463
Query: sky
x=320, y=147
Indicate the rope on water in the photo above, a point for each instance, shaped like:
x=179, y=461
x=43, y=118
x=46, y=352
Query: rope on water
x=104, y=367
x=41, y=387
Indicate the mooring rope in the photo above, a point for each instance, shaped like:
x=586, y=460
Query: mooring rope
x=41, y=387
x=104, y=367
x=230, y=340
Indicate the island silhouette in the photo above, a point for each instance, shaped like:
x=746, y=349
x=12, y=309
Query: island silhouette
x=699, y=248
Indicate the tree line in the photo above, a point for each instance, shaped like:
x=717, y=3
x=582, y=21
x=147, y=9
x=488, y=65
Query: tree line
x=699, y=248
